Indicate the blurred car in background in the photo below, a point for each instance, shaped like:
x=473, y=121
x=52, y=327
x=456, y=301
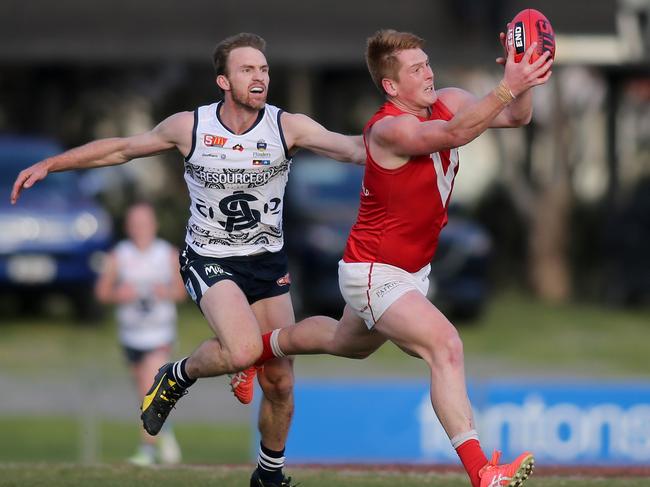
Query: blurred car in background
x=54, y=238
x=321, y=205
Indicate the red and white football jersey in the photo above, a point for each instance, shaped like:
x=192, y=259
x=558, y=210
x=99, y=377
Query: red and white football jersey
x=403, y=210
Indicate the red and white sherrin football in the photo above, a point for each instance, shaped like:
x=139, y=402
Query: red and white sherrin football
x=530, y=26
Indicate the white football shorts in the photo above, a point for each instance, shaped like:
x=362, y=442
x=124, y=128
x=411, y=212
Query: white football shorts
x=370, y=288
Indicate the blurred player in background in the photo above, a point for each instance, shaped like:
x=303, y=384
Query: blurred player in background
x=141, y=277
x=412, y=159
x=237, y=156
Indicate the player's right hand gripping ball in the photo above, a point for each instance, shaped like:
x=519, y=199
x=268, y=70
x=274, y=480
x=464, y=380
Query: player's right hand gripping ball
x=530, y=26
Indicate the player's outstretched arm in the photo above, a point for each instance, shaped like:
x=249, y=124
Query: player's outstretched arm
x=407, y=136
x=170, y=133
x=302, y=132
x=517, y=113
x=520, y=111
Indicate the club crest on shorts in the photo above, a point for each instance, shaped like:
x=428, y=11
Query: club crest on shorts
x=284, y=280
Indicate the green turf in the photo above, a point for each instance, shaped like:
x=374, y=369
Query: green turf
x=66, y=439
x=585, y=339
x=517, y=334
x=39, y=475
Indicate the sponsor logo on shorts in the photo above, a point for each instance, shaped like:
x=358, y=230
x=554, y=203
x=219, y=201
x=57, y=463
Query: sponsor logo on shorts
x=210, y=140
x=214, y=270
x=261, y=162
x=284, y=280
x=385, y=289
x=190, y=289
x=238, y=147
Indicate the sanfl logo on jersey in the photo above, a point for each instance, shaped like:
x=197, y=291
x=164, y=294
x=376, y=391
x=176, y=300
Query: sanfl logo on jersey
x=210, y=140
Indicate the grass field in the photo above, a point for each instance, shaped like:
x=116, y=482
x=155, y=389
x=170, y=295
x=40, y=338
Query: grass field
x=62, y=439
x=40, y=475
x=517, y=336
x=568, y=339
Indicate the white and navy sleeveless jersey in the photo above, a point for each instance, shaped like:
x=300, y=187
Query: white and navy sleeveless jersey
x=236, y=185
x=148, y=322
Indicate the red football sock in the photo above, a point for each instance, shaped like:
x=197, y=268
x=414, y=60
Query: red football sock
x=267, y=351
x=473, y=459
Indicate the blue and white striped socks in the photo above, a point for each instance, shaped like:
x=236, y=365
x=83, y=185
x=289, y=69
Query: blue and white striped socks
x=270, y=464
x=180, y=375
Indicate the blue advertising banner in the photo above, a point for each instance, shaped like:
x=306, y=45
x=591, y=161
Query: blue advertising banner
x=387, y=421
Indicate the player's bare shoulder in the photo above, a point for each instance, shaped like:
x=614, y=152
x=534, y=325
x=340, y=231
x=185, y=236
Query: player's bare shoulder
x=392, y=129
x=177, y=129
x=302, y=132
x=454, y=98
x=296, y=128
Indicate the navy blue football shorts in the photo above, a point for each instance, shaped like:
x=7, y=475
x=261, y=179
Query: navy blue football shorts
x=258, y=276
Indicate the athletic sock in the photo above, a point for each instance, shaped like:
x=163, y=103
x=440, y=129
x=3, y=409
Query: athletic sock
x=180, y=374
x=270, y=464
x=471, y=455
x=270, y=347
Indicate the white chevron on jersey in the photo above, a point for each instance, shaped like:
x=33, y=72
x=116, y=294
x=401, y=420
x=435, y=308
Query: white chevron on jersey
x=236, y=185
x=445, y=179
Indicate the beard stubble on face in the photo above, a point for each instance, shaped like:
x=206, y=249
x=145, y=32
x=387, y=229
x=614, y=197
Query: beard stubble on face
x=245, y=101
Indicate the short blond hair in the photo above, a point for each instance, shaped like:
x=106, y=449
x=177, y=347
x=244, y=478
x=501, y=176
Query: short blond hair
x=381, y=50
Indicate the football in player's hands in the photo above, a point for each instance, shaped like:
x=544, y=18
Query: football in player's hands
x=530, y=26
